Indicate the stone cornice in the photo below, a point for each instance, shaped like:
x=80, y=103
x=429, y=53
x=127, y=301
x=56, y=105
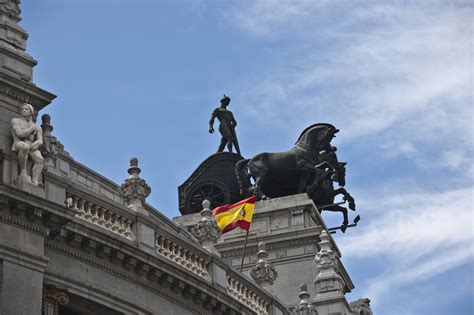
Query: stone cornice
x=35, y=262
x=131, y=276
x=76, y=287
x=152, y=272
x=23, y=91
x=285, y=240
x=31, y=212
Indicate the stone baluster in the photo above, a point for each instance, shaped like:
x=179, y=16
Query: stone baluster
x=128, y=229
x=75, y=202
x=88, y=213
x=102, y=219
x=109, y=222
x=159, y=245
x=82, y=207
x=263, y=272
x=122, y=228
x=95, y=216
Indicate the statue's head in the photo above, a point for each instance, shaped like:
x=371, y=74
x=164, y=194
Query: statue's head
x=225, y=100
x=27, y=110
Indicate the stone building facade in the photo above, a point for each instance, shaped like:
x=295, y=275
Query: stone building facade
x=78, y=244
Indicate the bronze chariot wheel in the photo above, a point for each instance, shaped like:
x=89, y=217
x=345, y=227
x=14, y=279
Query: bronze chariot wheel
x=212, y=190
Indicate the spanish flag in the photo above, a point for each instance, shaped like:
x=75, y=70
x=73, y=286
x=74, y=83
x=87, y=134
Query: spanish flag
x=228, y=217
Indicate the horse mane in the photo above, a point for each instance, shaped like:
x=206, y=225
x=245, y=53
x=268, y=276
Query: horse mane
x=312, y=126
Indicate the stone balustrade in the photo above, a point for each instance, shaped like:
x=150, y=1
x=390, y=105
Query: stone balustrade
x=98, y=215
x=245, y=295
x=171, y=250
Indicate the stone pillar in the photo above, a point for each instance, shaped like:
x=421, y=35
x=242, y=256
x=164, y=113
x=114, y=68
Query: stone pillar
x=52, y=298
x=21, y=287
x=329, y=284
x=22, y=264
x=263, y=272
x=134, y=189
x=206, y=230
x=304, y=307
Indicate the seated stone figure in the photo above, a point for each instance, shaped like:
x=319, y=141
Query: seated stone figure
x=27, y=138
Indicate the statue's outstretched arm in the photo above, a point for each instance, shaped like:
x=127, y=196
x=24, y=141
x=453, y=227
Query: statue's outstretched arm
x=211, y=121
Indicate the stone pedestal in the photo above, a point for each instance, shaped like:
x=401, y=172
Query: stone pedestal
x=30, y=188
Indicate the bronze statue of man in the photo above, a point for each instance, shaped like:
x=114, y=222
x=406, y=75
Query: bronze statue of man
x=227, y=126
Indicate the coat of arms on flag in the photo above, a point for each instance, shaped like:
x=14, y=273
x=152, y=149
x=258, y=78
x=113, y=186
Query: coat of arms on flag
x=239, y=214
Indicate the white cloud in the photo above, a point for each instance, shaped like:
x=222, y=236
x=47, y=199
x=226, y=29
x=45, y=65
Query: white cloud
x=418, y=235
x=400, y=72
x=397, y=75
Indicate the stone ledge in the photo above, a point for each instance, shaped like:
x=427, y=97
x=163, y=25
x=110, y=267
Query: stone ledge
x=14, y=255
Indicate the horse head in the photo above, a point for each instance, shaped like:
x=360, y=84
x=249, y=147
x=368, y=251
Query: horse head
x=317, y=137
x=336, y=169
x=341, y=173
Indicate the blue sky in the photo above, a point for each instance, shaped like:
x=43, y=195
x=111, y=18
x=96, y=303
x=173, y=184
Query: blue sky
x=140, y=78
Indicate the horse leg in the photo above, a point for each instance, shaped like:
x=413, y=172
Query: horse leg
x=243, y=176
x=343, y=210
x=346, y=196
x=258, y=188
x=259, y=170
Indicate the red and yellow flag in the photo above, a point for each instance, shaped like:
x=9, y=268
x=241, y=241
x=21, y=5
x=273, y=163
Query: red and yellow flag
x=228, y=217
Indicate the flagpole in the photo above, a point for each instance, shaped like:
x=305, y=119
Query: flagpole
x=245, y=247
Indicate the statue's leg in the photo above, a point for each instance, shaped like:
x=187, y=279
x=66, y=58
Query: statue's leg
x=258, y=188
x=222, y=145
x=229, y=145
x=37, y=166
x=259, y=170
x=22, y=149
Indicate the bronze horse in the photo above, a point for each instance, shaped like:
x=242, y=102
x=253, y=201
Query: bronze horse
x=311, y=166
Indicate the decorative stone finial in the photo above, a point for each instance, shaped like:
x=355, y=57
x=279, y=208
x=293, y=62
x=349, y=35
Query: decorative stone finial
x=134, y=189
x=12, y=33
x=51, y=147
x=304, y=307
x=361, y=307
x=46, y=122
x=206, y=230
x=11, y=8
x=206, y=204
x=328, y=281
x=263, y=272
